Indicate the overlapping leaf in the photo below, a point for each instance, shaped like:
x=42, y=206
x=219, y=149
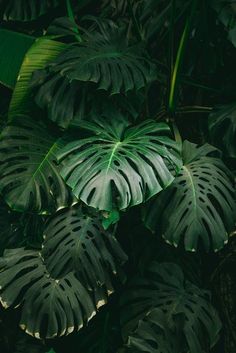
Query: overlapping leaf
x=25, y=10
x=187, y=312
x=199, y=205
x=30, y=178
x=41, y=52
x=118, y=167
x=76, y=241
x=152, y=335
x=106, y=61
x=60, y=288
x=222, y=127
x=50, y=307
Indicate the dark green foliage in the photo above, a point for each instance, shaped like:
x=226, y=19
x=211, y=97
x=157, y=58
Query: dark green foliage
x=25, y=10
x=222, y=127
x=29, y=152
x=97, y=186
x=200, y=203
x=118, y=167
x=60, y=287
x=185, y=314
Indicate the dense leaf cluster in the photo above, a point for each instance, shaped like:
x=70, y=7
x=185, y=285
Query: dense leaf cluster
x=117, y=172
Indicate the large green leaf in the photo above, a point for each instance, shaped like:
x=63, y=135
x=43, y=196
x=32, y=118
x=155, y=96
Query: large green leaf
x=49, y=306
x=76, y=241
x=25, y=10
x=101, y=62
x=30, y=178
x=199, y=205
x=118, y=167
x=153, y=335
x=188, y=313
x=222, y=127
x=41, y=52
x=60, y=287
x=13, y=47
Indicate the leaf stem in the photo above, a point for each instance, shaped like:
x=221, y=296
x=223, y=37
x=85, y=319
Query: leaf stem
x=72, y=18
x=178, y=61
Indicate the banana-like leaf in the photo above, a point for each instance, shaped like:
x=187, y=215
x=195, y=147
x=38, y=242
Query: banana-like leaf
x=187, y=310
x=30, y=178
x=41, y=52
x=222, y=127
x=14, y=45
x=105, y=61
x=118, y=167
x=199, y=205
x=50, y=307
x=76, y=241
x=25, y=10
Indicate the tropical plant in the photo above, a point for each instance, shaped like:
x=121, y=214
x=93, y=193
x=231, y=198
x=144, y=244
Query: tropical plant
x=117, y=176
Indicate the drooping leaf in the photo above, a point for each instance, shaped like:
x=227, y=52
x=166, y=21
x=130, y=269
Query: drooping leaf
x=14, y=45
x=187, y=312
x=222, y=127
x=199, y=205
x=30, y=179
x=50, y=306
x=76, y=241
x=118, y=167
x=41, y=52
x=25, y=10
x=102, y=62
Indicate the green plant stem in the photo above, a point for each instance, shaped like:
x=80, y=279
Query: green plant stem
x=71, y=17
x=178, y=62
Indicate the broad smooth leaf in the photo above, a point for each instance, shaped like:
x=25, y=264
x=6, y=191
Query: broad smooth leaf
x=14, y=45
x=41, y=52
x=50, y=307
x=187, y=309
x=199, y=205
x=30, y=179
x=118, y=167
x=76, y=241
x=222, y=128
x=25, y=10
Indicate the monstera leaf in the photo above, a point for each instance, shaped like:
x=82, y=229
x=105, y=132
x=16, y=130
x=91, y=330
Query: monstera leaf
x=153, y=335
x=222, y=127
x=30, y=178
x=60, y=288
x=25, y=10
x=118, y=167
x=50, y=307
x=199, y=205
x=186, y=309
x=105, y=61
x=76, y=241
